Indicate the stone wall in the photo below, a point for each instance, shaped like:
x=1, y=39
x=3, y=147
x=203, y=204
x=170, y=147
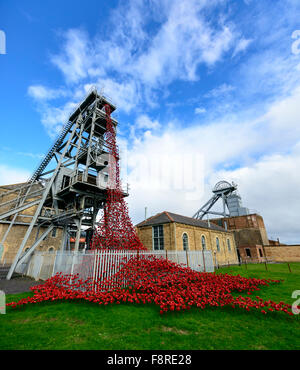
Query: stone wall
x=283, y=253
x=8, y=203
x=223, y=256
x=16, y=235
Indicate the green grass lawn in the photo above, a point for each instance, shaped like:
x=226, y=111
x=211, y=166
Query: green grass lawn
x=77, y=325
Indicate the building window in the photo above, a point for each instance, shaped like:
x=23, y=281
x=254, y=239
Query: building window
x=51, y=250
x=218, y=244
x=158, y=237
x=228, y=245
x=248, y=253
x=260, y=253
x=65, y=182
x=203, y=242
x=53, y=232
x=185, y=242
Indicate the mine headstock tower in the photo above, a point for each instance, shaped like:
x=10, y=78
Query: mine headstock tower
x=231, y=202
x=70, y=185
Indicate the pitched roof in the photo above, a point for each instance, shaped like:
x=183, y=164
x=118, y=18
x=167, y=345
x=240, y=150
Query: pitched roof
x=166, y=217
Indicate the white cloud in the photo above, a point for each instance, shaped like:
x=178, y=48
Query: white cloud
x=241, y=45
x=12, y=175
x=183, y=40
x=124, y=94
x=39, y=92
x=171, y=168
x=264, y=158
x=267, y=73
x=272, y=187
x=200, y=110
x=284, y=115
x=144, y=122
x=54, y=118
x=77, y=55
x=221, y=90
x=31, y=155
x=133, y=64
x=164, y=174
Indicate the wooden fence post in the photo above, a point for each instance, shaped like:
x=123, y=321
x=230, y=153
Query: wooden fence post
x=289, y=267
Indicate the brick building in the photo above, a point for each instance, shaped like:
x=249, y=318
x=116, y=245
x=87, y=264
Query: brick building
x=11, y=244
x=252, y=241
x=170, y=231
x=250, y=235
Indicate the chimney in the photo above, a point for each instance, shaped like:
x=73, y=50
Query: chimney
x=208, y=222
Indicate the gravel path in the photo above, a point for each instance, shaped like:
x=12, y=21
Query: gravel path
x=18, y=285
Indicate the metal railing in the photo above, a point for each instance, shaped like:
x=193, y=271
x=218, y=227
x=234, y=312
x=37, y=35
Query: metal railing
x=102, y=264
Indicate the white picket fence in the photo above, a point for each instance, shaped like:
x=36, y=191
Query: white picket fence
x=103, y=264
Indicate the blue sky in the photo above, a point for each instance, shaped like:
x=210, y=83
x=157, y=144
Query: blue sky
x=217, y=80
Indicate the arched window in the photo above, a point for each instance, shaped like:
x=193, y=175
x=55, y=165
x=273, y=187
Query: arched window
x=228, y=245
x=185, y=242
x=51, y=250
x=203, y=242
x=218, y=244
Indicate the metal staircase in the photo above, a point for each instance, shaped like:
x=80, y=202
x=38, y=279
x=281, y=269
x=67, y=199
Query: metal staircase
x=51, y=152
